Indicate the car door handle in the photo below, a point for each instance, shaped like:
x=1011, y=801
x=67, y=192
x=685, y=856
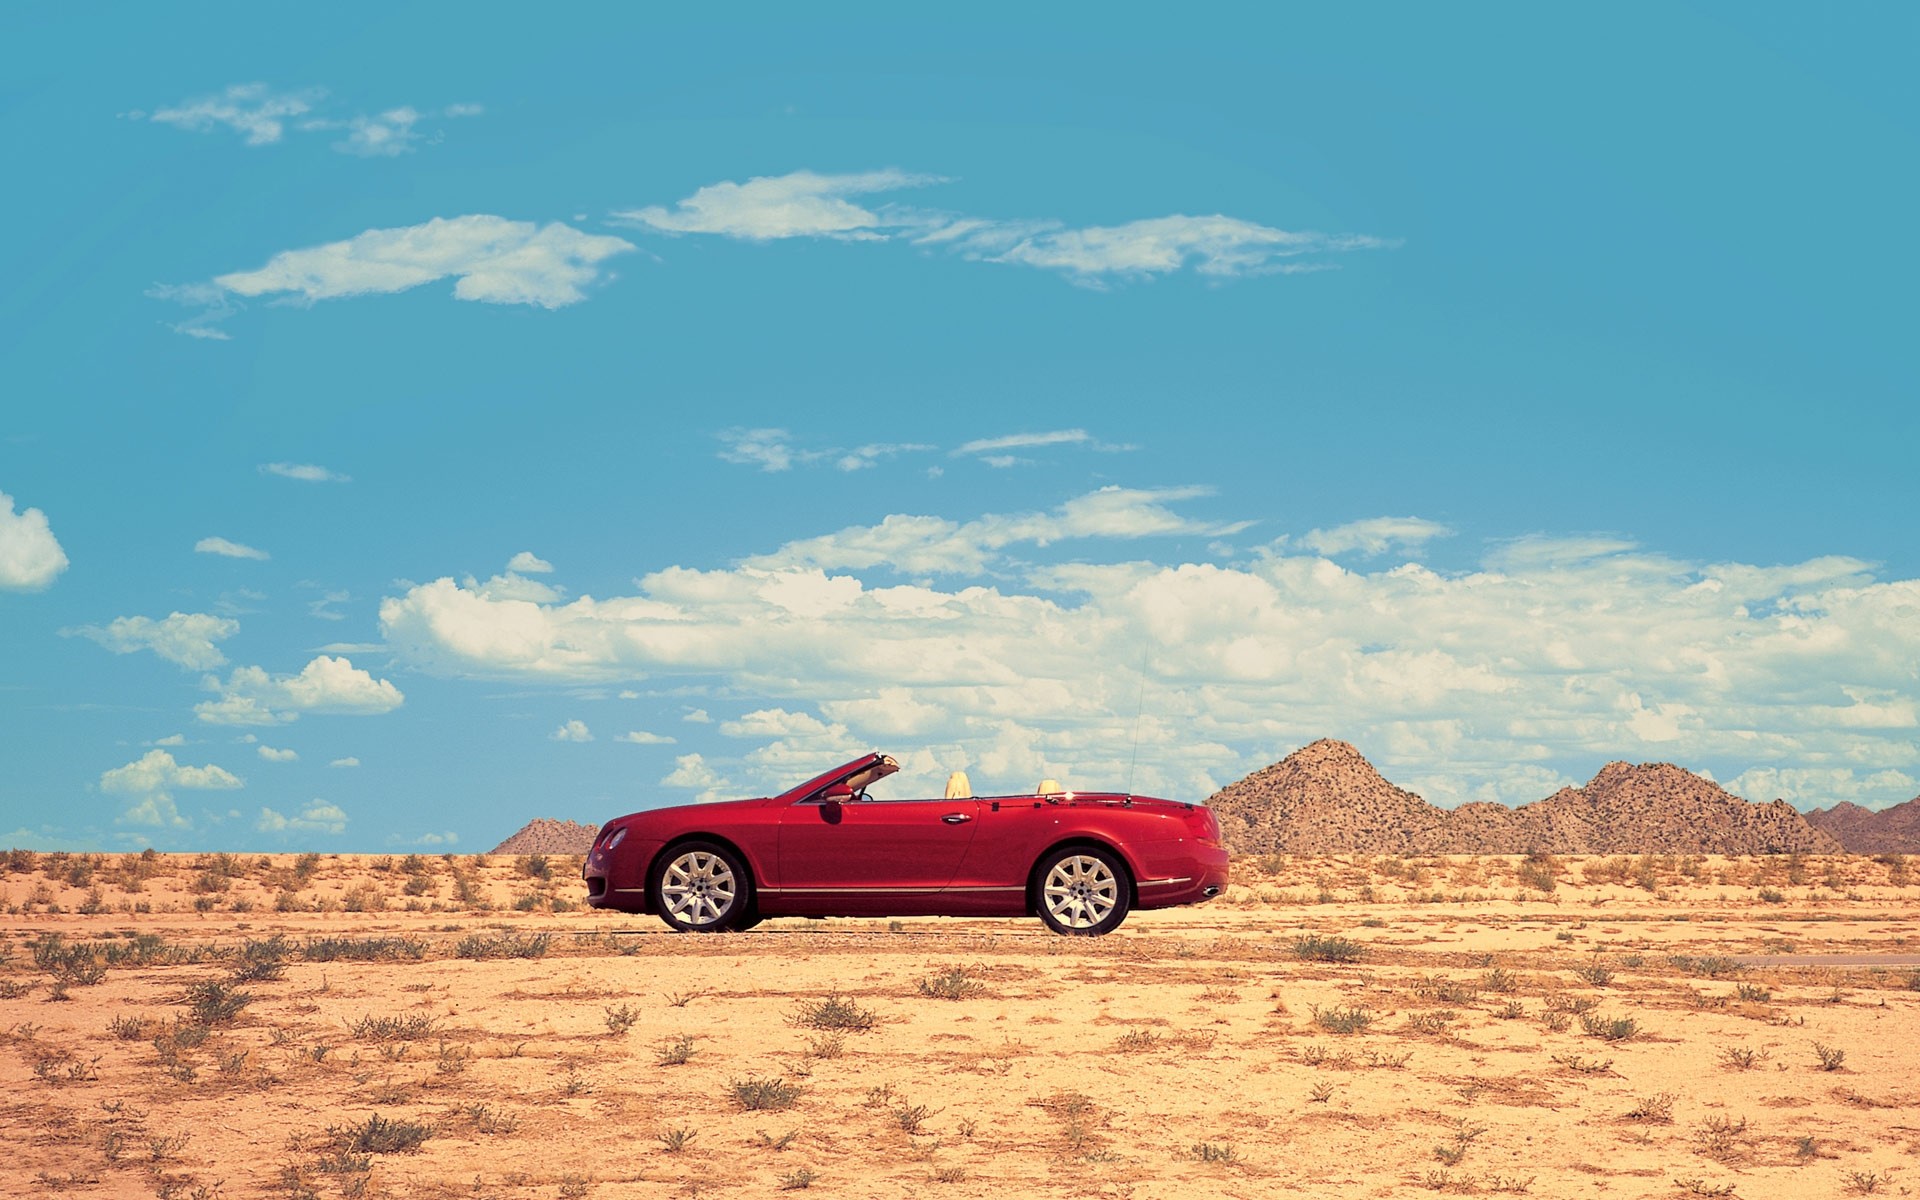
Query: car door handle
x=957, y=818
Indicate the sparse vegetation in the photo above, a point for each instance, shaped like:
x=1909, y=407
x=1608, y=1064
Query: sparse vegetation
x=954, y=983
x=834, y=1011
x=765, y=1095
x=1312, y=947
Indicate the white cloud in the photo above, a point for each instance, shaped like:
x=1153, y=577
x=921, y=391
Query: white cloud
x=304, y=472
x=30, y=556
x=641, y=737
x=323, y=607
x=250, y=696
x=916, y=545
x=273, y=755
x=691, y=771
x=809, y=204
x=767, y=449
x=448, y=838
x=227, y=549
x=802, y=204
x=1024, y=441
x=320, y=816
x=773, y=450
x=1476, y=684
x=1823, y=787
x=184, y=638
x=572, y=731
x=528, y=563
x=262, y=115
x=345, y=762
x=1374, y=536
x=153, y=778
x=172, y=739
x=1217, y=246
x=491, y=259
x=251, y=109
x=386, y=135
x=697, y=716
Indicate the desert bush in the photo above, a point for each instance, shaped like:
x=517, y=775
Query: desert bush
x=535, y=866
x=364, y=898
x=621, y=1019
x=212, y=1002
x=1539, y=871
x=676, y=1138
x=1342, y=1020
x=1137, y=1041
x=1500, y=980
x=1313, y=947
x=375, y=949
x=1830, y=1058
x=1210, y=1152
x=1656, y=1109
x=1595, y=973
x=797, y=1180
x=675, y=1051
x=408, y=1028
x=1609, y=1029
x=379, y=1135
x=765, y=1095
x=1720, y=1137
x=834, y=1011
x=506, y=945
x=1741, y=1058
x=954, y=983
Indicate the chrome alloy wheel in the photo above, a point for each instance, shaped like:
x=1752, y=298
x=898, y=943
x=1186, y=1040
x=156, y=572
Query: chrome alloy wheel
x=698, y=888
x=1080, y=891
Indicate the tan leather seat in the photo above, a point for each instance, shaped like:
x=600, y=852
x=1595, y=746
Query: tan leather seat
x=1049, y=787
x=958, y=787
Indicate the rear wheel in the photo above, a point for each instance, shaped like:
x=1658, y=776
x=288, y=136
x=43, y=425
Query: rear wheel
x=700, y=887
x=1082, y=891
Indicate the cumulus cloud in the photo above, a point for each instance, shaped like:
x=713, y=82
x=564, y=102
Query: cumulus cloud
x=810, y=204
x=641, y=737
x=184, y=638
x=490, y=259
x=528, y=563
x=304, y=472
x=280, y=756
x=152, y=780
x=345, y=762
x=227, y=549
x=320, y=816
x=250, y=696
x=30, y=556
x=571, y=731
x=802, y=204
x=253, y=110
x=1374, y=536
x=1486, y=683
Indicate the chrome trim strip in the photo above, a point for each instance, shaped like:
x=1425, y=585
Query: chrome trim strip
x=1164, y=882
x=896, y=890
x=629, y=889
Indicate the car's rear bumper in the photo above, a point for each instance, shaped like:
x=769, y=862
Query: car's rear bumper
x=1196, y=874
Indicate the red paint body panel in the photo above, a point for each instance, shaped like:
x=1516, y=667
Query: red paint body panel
x=814, y=856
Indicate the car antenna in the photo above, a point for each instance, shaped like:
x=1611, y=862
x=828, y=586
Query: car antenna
x=1139, y=711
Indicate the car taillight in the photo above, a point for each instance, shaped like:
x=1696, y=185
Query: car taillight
x=1204, y=826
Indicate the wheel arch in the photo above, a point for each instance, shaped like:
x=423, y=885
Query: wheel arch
x=728, y=844
x=1082, y=839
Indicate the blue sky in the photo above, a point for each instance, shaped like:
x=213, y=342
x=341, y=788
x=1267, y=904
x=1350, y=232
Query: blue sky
x=409, y=427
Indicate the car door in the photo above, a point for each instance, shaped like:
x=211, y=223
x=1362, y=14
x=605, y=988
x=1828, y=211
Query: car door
x=860, y=856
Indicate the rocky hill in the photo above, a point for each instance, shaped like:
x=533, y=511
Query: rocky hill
x=1326, y=798
x=544, y=835
x=1893, y=830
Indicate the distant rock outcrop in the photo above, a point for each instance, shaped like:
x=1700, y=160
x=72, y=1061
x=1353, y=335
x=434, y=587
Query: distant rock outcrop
x=1326, y=798
x=1893, y=830
x=544, y=835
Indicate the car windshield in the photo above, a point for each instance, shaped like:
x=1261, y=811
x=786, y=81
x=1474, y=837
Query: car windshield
x=861, y=780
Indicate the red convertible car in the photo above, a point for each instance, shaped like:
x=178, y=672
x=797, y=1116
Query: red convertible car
x=1078, y=861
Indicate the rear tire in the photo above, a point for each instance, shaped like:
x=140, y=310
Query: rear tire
x=1082, y=891
x=701, y=887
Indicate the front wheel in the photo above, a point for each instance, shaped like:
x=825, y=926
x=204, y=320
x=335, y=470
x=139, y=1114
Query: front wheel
x=700, y=887
x=1083, y=891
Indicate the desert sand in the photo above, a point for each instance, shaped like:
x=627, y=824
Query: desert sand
x=237, y=1026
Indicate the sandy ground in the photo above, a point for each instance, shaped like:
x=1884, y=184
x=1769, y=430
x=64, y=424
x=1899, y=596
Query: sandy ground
x=344, y=1026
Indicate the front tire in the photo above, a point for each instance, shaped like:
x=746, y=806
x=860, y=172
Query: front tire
x=1082, y=891
x=701, y=887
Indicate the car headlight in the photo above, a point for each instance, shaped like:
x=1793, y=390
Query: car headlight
x=615, y=840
